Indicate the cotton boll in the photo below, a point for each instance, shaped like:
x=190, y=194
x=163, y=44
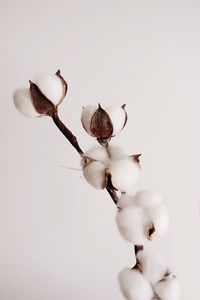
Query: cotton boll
x=146, y=198
x=116, y=152
x=124, y=173
x=124, y=200
x=153, y=264
x=134, y=286
x=130, y=221
x=168, y=288
x=98, y=153
x=86, y=117
x=94, y=173
x=51, y=87
x=118, y=118
x=159, y=216
x=23, y=102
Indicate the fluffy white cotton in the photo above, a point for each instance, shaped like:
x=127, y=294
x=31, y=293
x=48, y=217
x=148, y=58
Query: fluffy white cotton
x=94, y=173
x=116, y=152
x=51, y=86
x=98, y=153
x=134, y=286
x=23, y=102
x=124, y=173
x=146, y=198
x=155, y=211
x=159, y=216
x=125, y=200
x=86, y=117
x=168, y=289
x=131, y=224
x=118, y=117
x=153, y=264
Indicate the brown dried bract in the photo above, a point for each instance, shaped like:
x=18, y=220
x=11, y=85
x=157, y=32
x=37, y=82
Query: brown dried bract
x=101, y=126
x=64, y=84
x=41, y=104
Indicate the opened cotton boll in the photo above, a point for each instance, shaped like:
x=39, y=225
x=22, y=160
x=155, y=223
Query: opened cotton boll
x=52, y=86
x=168, y=288
x=122, y=169
x=124, y=173
x=42, y=97
x=103, y=123
x=131, y=223
x=155, y=211
x=153, y=264
x=134, y=286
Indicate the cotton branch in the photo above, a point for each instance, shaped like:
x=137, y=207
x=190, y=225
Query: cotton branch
x=66, y=132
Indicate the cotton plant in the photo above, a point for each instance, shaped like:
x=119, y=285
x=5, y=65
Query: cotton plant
x=140, y=218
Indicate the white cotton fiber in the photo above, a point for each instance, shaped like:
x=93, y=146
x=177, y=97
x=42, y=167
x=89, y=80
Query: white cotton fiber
x=94, y=173
x=86, y=117
x=116, y=152
x=124, y=173
x=155, y=211
x=98, y=153
x=125, y=200
x=130, y=221
x=168, y=289
x=118, y=117
x=134, y=286
x=146, y=198
x=159, y=216
x=51, y=86
x=23, y=102
x=153, y=264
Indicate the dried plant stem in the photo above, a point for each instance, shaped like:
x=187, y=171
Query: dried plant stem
x=67, y=133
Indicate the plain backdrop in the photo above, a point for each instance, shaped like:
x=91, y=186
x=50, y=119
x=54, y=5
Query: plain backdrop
x=58, y=237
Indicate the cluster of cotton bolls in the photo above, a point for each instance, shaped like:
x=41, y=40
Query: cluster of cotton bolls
x=142, y=218
x=99, y=162
x=149, y=279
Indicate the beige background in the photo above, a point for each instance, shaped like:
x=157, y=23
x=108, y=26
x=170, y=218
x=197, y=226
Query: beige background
x=58, y=238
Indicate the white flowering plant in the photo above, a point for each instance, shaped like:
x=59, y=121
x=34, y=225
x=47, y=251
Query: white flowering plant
x=140, y=218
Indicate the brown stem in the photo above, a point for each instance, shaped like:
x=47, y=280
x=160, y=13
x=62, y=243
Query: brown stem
x=67, y=133
x=138, y=248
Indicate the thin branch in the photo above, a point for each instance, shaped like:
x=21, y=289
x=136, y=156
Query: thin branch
x=67, y=133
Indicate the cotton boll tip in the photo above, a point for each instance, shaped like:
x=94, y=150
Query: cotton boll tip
x=134, y=286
